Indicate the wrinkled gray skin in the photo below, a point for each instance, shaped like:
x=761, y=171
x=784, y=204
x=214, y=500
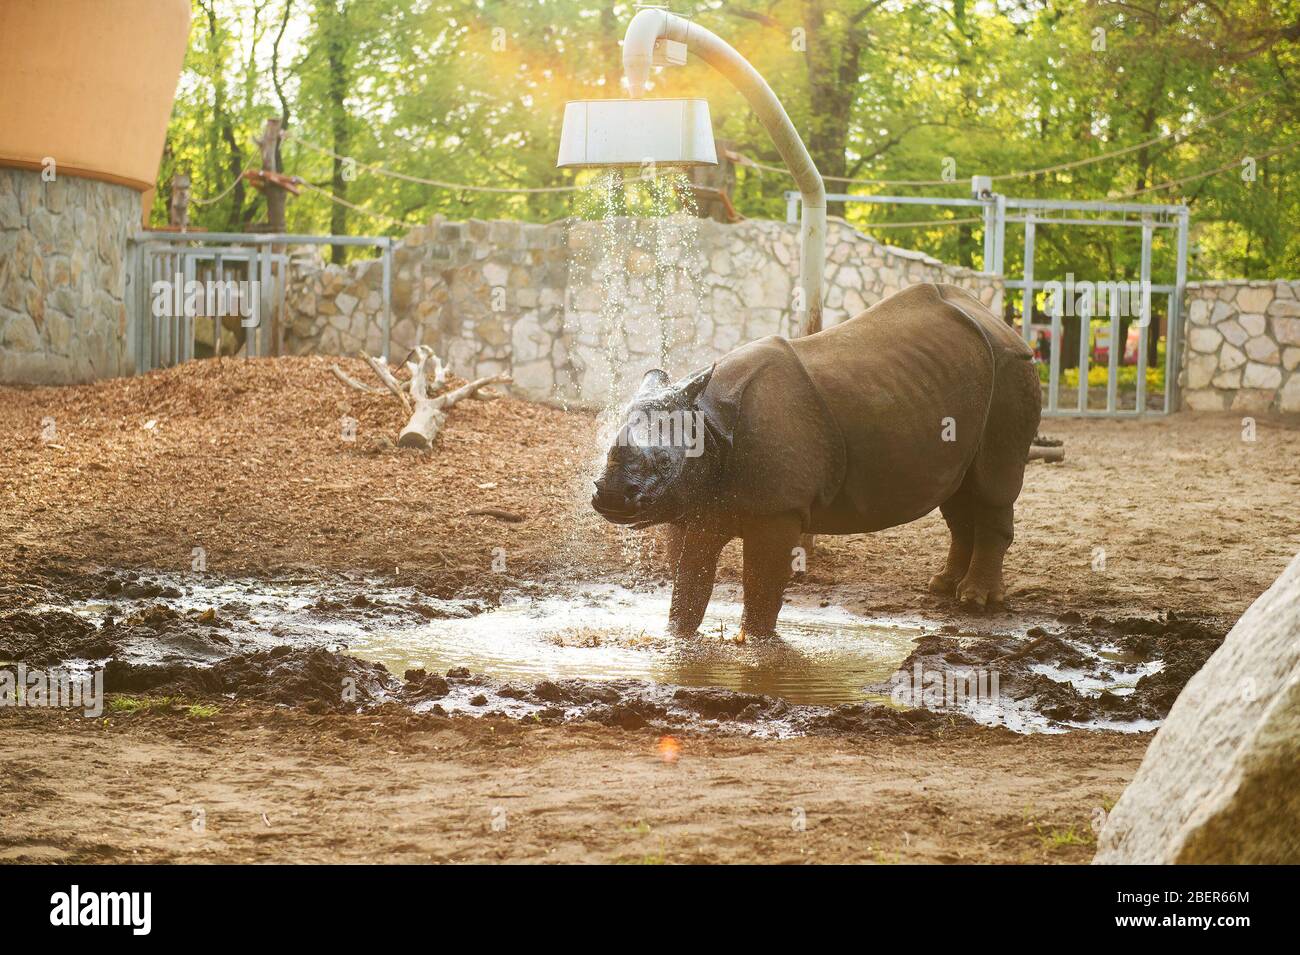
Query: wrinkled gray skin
x=925, y=400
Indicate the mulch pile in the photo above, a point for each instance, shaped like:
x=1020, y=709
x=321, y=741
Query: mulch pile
x=249, y=460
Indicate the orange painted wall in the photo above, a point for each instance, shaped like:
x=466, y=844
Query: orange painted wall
x=90, y=83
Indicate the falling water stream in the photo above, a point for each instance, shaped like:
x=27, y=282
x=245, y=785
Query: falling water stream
x=634, y=302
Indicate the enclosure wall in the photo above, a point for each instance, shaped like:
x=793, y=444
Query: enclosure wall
x=62, y=277
x=1243, y=346
x=576, y=309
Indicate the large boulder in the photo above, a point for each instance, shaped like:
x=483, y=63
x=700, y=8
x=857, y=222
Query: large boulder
x=1220, y=782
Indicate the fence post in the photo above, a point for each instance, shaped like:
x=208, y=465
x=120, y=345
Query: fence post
x=263, y=330
x=388, y=298
x=184, y=322
x=1027, y=299
x=1085, y=353
x=1112, y=356
x=990, y=214
x=1145, y=307
x=1174, y=338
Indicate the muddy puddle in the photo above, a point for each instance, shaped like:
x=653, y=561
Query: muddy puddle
x=599, y=652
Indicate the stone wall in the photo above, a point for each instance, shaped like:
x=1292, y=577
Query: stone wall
x=578, y=310
x=1243, y=346
x=62, y=278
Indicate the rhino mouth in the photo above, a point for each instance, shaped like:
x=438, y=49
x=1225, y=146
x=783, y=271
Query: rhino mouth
x=637, y=517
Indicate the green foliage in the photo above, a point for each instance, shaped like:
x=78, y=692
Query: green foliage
x=472, y=92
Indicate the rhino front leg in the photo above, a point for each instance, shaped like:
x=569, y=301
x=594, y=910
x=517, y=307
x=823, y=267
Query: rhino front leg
x=769, y=561
x=694, y=556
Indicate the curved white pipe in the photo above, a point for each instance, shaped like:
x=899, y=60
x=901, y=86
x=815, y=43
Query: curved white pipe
x=650, y=25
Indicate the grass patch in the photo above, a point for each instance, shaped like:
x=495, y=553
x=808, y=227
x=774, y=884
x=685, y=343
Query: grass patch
x=1053, y=839
x=132, y=705
x=1060, y=838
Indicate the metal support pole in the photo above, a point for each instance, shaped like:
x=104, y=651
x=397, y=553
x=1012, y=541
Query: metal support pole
x=132, y=304
x=1112, y=356
x=168, y=356
x=185, y=322
x=281, y=296
x=261, y=332
x=999, y=233
x=990, y=214
x=149, y=343
x=1054, y=365
x=218, y=268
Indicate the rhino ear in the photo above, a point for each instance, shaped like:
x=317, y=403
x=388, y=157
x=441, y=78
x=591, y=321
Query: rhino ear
x=656, y=379
x=694, y=386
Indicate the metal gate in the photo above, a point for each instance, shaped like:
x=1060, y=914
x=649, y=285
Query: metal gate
x=999, y=210
x=181, y=282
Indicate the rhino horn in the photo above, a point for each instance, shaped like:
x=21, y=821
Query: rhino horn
x=656, y=379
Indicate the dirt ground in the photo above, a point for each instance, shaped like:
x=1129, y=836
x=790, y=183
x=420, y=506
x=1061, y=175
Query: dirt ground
x=280, y=786
x=248, y=461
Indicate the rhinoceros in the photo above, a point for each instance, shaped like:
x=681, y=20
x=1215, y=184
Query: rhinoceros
x=925, y=400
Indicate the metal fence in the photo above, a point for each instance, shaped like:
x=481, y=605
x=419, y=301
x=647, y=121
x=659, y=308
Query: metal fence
x=998, y=211
x=162, y=331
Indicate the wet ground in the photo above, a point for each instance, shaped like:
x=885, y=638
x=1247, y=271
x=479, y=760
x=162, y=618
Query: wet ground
x=560, y=654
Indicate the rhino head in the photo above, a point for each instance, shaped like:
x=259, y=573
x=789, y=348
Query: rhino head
x=665, y=459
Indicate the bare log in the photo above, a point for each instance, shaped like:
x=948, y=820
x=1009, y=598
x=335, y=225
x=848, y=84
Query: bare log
x=1052, y=455
x=386, y=376
x=351, y=382
x=430, y=413
x=426, y=373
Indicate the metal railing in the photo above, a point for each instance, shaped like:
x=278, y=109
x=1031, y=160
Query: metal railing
x=1035, y=213
x=260, y=259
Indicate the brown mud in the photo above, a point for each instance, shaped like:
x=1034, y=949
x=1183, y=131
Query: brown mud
x=1121, y=674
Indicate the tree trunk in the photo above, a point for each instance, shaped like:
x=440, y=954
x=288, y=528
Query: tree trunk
x=336, y=40
x=832, y=84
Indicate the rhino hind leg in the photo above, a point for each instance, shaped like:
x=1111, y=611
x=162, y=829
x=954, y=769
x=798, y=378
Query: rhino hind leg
x=981, y=513
x=961, y=525
x=994, y=529
x=769, y=562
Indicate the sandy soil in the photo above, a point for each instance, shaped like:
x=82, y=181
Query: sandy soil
x=286, y=787
x=247, y=461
